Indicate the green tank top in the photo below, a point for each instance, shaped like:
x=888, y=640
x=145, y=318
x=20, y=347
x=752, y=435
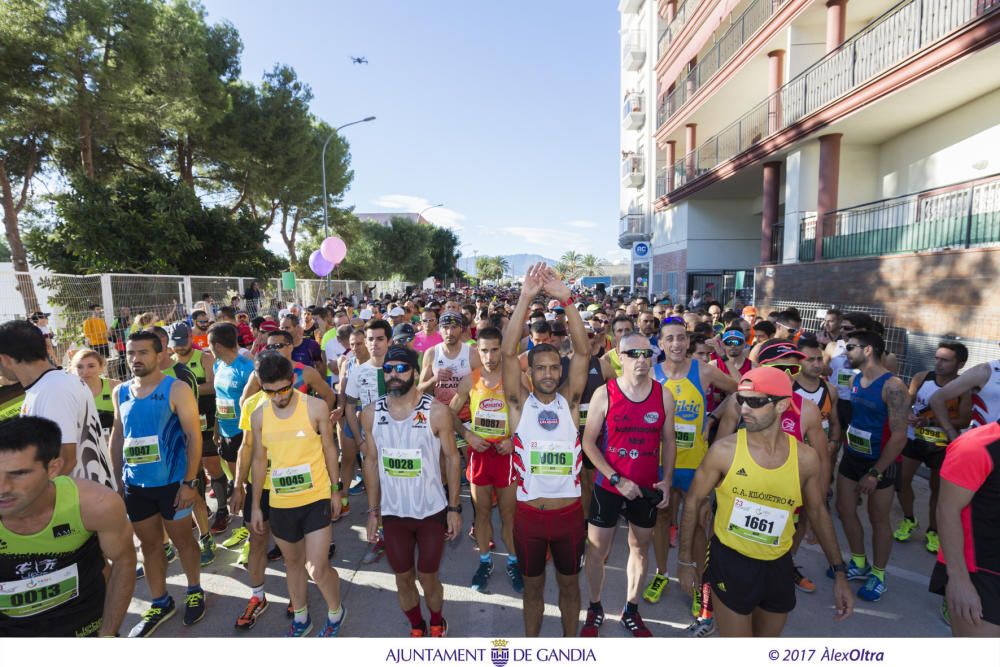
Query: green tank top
x=51, y=582
x=11, y=398
x=103, y=399
x=194, y=363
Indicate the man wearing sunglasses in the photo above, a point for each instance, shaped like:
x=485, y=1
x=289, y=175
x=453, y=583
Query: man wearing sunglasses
x=547, y=456
x=634, y=416
x=687, y=381
x=406, y=435
x=445, y=364
x=293, y=446
x=307, y=379
x=761, y=476
x=200, y=322
x=876, y=436
x=804, y=420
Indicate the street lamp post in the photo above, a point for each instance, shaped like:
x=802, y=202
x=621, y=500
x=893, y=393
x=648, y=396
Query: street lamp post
x=420, y=215
x=322, y=159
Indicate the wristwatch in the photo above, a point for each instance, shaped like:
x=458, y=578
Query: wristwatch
x=190, y=483
x=839, y=567
x=873, y=472
x=457, y=509
x=614, y=479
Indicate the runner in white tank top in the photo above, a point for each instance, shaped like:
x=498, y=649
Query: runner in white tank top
x=407, y=436
x=984, y=381
x=547, y=455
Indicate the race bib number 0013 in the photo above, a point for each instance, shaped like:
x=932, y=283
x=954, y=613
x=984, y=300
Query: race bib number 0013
x=27, y=597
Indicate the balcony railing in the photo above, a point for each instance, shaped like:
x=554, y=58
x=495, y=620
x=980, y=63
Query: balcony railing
x=778, y=243
x=633, y=174
x=633, y=50
x=634, y=111
x=634, y=226
x=740, y=31
x=904, y=30
x=958, y=216
x=684, y=11
x=661, y=182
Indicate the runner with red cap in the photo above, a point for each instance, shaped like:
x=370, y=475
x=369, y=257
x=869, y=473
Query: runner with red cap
x=760, y=476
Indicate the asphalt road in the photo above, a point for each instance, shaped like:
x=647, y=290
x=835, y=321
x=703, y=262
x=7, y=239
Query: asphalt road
x=906, y=610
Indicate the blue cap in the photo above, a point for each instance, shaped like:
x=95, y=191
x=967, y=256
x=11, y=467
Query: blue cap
x=732, y=334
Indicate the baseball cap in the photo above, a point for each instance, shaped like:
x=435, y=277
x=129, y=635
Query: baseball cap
x=366, y=314
x=401, y=354
x=403, y=331
x=267, y=326
x=180, y=336
x=450, y=318
x=558, y=309
x=397, y=312
x=768, y=381
x=749, y=310
x=593, y=308
x=732, y=334
x=37, y=315
x=587, y=315
x=777, y=351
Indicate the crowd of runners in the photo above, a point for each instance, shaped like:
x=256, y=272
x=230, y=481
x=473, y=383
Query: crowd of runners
x=728, y=434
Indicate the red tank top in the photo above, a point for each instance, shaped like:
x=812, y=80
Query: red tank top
x=631, y=437
x=791, y=421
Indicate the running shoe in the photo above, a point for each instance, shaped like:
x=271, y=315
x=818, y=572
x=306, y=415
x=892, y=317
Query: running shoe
x=633, y=623
x=872, y=590
x=220, y=523
x=440, y=630
x=933, y=541
x=655, y=589
x=905, y=530
x=374, y=553
x=274, y=554
x=418, y=632
x=702, y=627
x=194, y=607
x=696, y=603
x=300, y=629
x=853, y=571
x=482, y=576
x=357, y=487
x=170, y=552
x=516, y=582
x=237, y=538
x=331, y=629
x=802, y=582
x=244, y=557
x=152, y=618
x=592, y=626
x=207, y=547
x=255, y=608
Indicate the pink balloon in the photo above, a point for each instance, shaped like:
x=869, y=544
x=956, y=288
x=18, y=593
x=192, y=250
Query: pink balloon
x=320, y=266
x=333, y=250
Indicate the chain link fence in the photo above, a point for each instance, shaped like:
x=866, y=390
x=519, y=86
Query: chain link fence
x=169, y=298
x=914, y=350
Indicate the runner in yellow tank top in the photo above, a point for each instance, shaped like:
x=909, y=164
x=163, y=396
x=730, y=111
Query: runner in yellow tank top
x=760, y=476
x=293, y=430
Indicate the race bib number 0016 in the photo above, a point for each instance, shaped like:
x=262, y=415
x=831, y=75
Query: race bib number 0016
x=551, y=458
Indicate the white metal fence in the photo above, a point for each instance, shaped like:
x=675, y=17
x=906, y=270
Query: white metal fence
x=69, y=297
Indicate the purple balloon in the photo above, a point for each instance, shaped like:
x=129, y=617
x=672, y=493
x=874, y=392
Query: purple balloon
x=333, y=250
x=320, y=266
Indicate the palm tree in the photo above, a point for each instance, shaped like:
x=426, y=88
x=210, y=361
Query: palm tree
x=571, y=259
x=590, y=265
x=503, y=265
x=492, y=267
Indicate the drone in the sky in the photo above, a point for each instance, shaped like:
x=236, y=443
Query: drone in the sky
x=359, y=61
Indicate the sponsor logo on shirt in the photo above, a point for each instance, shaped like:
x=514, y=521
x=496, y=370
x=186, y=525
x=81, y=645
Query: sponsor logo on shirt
x=651, y=417
x=548, y=420
x=419, y=420
x=491, y=405
x=62, y=530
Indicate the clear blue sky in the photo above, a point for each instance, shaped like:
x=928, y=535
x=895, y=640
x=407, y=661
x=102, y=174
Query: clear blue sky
x=506, y=112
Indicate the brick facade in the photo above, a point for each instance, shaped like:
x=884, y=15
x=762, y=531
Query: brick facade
x=938, y=293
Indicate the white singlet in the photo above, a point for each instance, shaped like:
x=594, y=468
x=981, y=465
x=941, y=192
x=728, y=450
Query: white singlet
x=986, y=401
x=547, y=451
x=449, y=372
x=409, y=461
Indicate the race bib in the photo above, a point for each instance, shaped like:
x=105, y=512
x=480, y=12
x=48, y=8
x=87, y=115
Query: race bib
x=758, y=523
x=844, y=377
x=139, y=451
x=295, y=479
x=584, y=409
x=27, y=597
x=550, y=457
x=684, y=435
x=490, y=424
x=932, y=434
x=203, y=421
x=858, y=440
x=402, y=462
x=225, y=408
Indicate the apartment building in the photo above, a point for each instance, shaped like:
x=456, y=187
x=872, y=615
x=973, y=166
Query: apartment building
x=844, y=152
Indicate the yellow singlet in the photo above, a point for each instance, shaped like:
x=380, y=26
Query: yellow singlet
x=298, y=472
x=756, y=504
x=489, y=409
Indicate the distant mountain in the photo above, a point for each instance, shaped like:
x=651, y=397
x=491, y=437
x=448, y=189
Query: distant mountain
x=518, y=263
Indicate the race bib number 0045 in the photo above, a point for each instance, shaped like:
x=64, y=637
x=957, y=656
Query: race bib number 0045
x=294, y=479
